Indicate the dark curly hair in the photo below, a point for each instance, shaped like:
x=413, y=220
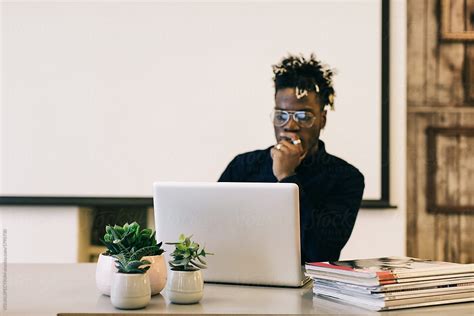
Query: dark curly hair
x=306, y=75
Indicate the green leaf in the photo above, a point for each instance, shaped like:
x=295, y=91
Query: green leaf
x=147, y=251
x=135, y=226
x=108, y=229
x=198, y=264
x=181, y=262
x=134, y=264
x=119, y=230
x=186, y=255
x=121, y=259
x=128, y=234
x=114, y=234
x=147, y=232
x=201, y=260
x=181, y=247
x=187, y=241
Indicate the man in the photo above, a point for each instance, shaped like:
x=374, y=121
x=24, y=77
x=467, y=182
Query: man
x=330, y=188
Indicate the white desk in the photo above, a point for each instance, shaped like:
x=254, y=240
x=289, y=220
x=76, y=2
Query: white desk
x=49, y=289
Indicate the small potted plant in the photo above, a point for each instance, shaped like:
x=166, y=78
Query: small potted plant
x=130, y=284
x=185, y=283
x=130, y=237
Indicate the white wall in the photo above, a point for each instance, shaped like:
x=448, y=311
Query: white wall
x=383, y=232
x=45, y=234
x=40, y=234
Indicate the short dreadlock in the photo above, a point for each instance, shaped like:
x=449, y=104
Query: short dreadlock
x=305, y=75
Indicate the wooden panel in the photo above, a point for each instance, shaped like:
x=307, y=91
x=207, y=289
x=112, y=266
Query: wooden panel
x=456, y=20
x=85, y=216
x=442, y=234
x=469, y=16
x=450, y=82
x=466, y=225
x=424, y=221
x=445, y=173
x=431, y=235
x=416, y=51
x=452, y=194
x=456, y=15
x=469, y=74
x=450, y=70
x=411, y=175
x=432, y=53
x=435, y=71
x=440, y=98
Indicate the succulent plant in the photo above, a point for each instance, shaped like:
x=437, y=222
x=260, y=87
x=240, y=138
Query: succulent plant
x=131, y=238
x=130, y=262
x=187, y=256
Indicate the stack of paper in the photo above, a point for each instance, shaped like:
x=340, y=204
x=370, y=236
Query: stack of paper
x=393, y=282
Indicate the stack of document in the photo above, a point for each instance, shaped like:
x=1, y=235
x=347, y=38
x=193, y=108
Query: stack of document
x=393, y=282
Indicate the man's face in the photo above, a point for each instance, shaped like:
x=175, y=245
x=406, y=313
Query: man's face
x=286, y=100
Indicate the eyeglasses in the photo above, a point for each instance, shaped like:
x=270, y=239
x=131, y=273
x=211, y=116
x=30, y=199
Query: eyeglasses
x=304, y=119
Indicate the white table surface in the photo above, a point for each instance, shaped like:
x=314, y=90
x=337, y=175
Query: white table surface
x=51, y=289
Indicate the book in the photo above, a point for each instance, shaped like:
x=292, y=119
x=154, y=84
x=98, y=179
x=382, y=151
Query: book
x=388, y=296
x=377, y=282
x=433, y=284
x=387, y=270
x=412, y=305
x=393, y=282
x=380, y=303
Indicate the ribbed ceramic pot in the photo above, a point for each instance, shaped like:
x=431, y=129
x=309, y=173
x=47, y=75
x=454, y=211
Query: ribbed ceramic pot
x=130, y=291
x=104, y=273
x=106, y=269
x=185, y=287
x=157, y=273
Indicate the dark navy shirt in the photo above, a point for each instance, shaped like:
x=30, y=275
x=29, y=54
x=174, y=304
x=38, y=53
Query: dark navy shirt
x=330, y=195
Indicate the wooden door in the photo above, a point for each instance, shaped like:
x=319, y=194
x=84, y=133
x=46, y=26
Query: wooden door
x=440, y=153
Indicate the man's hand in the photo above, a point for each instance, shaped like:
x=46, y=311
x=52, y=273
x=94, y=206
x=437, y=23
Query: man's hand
x=286, y=157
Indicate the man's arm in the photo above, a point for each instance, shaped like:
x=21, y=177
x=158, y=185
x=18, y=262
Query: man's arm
x=327, y=221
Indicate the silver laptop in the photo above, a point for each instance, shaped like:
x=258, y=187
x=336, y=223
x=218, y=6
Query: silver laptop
x=252, y=228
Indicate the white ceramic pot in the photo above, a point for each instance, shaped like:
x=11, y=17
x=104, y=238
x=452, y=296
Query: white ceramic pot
x=130, y=291
x=106, y=269
x=185, y=287
x=157, y=273
x=104, y=273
